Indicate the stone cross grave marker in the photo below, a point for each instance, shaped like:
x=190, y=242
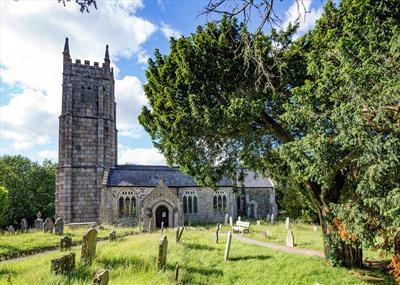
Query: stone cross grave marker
x=112, y=235
x=162, y=253
x=24, y=225
x=65, y=243
x=287, y=223
x=272, y=218
x=228, y=245
x=38, y=221
x=231, y=221
x=48, y=226
x=290, y=239
x=59, y=227
x=88, y=250
x=217, y=231
x=226, y=219
x=101, y=277
x=63, y=264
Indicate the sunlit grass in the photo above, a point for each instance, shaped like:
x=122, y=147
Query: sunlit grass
x=132, y=260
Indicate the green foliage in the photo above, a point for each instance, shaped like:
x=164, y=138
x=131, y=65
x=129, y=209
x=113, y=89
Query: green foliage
x=3, y=202
x=30, y=186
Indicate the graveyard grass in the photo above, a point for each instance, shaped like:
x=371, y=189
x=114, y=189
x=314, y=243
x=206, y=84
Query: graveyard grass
x=132, y=260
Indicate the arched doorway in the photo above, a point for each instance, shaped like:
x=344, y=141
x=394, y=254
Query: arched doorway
x=161, y=216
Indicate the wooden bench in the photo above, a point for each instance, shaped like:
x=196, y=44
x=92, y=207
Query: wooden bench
x=241, y=226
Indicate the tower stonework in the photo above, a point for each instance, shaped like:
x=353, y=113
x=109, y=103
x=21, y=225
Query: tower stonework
x=87, y=137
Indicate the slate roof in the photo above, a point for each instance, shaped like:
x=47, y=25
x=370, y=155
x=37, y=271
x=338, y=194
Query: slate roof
x=149, y=176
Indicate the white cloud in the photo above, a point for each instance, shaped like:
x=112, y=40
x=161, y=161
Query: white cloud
x=301, y=11
x=144, y=156
x=169, y=32
x=48, y=154
x=31, y=42
x=130, y=98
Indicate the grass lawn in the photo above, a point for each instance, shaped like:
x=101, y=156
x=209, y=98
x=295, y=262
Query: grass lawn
x=132, y=260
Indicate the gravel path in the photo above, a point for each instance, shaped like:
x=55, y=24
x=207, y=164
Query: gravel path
x=280, y=247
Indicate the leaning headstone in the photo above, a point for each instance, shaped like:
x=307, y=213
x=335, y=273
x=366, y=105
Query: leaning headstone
x=65, y=243
x=179, y=232
x=63, y=264
x=59, y=227
x=101, y=277
x=48, y=225
x=287, y=223
x=228, y=245
x=226, y=219
x=162, y=253
x=112, y=235
x=24, y=226
x=216, y=232
x=177, y=272
x=231, y=221
x=272, y=218
x=10, y=230
x=38, y=221
x=88, y=250
x=397, y=244
x=290, y=239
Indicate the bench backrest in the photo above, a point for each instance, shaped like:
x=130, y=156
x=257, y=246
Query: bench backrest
x=243, y=224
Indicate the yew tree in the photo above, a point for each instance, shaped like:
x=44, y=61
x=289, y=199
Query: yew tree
x=322, y=109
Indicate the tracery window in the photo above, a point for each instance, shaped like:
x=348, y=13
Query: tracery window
x=220, y=202
x=126, y=204
x=189, y=201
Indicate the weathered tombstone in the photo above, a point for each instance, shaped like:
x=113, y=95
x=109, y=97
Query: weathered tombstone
x=315, y=228
x=397, y=244
x=48, y=225
x=10, y=230
x=290, y=239
x=268, y=218
x=162, y=227
x=24, y=226
x=231, y=221
x=239, y=218
x=287, y=223
x=65, y=243
x=101, y=277
x=177, y=272
x=112, y=235
x=63, y=264
x=179, y=232
x=258, y=222
x=88, y=250
x=216, y=232
x=38, y=221
x=162, y=253
x=226, y=219
x=265, y=233
x=59, y=227
x=272, y=218
x=228, y=245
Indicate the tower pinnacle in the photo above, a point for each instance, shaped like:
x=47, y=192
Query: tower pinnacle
x=66, y=49
x=107, y=58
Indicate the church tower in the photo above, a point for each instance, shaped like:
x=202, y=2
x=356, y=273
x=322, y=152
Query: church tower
x=87, y=137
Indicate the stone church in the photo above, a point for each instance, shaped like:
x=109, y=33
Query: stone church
x=91, y=186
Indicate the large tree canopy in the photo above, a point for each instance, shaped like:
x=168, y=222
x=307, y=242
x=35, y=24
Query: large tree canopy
x=327, y=114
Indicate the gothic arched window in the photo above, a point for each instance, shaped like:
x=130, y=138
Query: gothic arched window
x=220, y=202
x=189, y=200
x=126, y=204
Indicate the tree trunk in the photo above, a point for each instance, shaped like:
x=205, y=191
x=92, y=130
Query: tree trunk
x=339, y=252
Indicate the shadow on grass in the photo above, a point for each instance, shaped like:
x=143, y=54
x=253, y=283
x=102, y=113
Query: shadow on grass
x=257, y=257
x=197, y=270
x=196, y=246
x=124, y=262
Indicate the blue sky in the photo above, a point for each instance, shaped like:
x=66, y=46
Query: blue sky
x=32, y=35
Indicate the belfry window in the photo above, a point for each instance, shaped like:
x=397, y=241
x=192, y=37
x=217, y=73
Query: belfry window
x=126, y=204
x=189, y=201
x=220, y=202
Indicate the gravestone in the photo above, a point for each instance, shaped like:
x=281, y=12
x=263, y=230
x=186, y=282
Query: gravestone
x=179, y=232
x=228, y=245
x=315, y=228
x=24, y=226
x=226, y=219
x=38, y=221
x=239, y=218
x=48, y=225
x=101, y=277
x=162, y=253
x=65, y=243
x=63, y=264
x=162, y=227
x=258, y=222
x=88, y=250
x=290, y=239
x=177, y=272
x=216, y=232
x=10, y=230
x=112, y=235
x=397, y=244
x=268, y=218
x=231, y=221
x=265, y=233
x=59, y=227
x=287, y=223
x=272, y=218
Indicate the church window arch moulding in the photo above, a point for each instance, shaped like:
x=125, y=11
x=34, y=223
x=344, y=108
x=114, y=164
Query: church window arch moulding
x=189, y=202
